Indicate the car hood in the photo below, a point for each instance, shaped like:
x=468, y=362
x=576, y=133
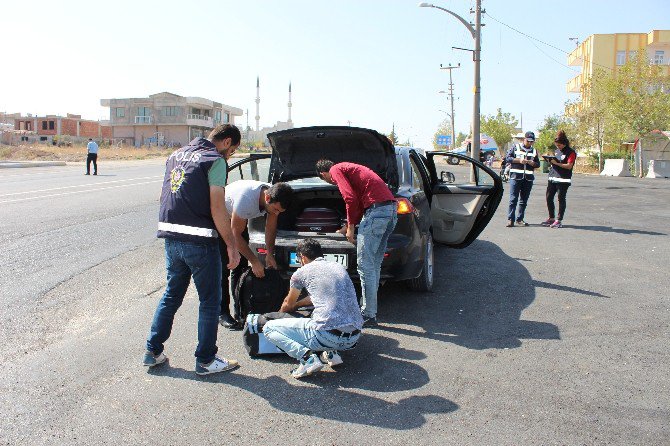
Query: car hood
x=296, y=151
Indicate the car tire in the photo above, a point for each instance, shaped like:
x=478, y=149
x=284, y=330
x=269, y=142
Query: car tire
x=425, y=281
x=453, y=160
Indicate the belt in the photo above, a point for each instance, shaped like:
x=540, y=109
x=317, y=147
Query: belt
x=341, y=333
x=380, y=204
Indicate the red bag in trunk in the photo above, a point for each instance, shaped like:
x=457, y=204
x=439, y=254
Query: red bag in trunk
x=318, y=220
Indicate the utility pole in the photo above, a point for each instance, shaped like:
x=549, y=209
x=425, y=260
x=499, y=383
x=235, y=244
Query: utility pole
x=475, y=148
x=451, y=97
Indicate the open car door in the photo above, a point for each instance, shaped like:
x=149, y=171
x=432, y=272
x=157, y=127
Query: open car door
x=254, y=167
x=464, y=198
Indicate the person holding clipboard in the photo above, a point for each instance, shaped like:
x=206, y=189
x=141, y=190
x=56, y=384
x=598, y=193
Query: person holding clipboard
x=560, y=178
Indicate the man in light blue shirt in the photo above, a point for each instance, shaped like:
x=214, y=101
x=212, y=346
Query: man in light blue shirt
x=92, y=149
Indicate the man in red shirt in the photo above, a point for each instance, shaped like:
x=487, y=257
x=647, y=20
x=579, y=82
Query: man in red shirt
x=370, y=203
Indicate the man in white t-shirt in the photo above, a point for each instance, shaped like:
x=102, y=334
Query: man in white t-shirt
x=247, y=199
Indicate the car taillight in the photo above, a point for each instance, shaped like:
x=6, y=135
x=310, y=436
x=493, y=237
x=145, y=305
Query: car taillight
x=404, y=206
x=261, y=250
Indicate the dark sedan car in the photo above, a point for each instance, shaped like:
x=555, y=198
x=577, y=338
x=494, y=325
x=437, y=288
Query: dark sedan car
x=451, y=208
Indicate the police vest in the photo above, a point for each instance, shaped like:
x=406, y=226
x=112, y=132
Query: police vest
x=520, y=171
x=559, y=174
x=185, y=206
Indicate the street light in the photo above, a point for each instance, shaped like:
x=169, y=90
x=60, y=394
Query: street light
x=476, y=35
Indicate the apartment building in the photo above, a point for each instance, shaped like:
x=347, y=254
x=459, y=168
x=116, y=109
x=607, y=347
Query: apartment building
x=610, y=51
x=72, y=126
x=165, y=118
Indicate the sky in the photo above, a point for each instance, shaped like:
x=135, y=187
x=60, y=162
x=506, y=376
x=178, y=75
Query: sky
x=365, y=63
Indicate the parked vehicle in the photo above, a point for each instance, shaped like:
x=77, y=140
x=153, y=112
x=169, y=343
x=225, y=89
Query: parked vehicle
x=487, y=150
x=431, y=207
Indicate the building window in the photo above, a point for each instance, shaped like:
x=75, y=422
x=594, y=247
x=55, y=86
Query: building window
x=632, y=54
x=51, y=125
x=44, y=125
x=226, y=118
x=143, y=111
x=620, y=57
x=217, y=116
x=170, y=111
x=658, y=57
x=120, y=112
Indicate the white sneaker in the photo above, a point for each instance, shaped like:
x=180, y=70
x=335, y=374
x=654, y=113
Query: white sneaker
x=216, y=366
x=306, y=367
x=331, y=358
x=152, y=360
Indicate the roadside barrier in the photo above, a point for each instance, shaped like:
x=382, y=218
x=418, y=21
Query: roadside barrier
x=616, y=168
x=659, y=169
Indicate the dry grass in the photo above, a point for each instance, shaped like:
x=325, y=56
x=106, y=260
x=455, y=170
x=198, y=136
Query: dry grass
x=77, y=153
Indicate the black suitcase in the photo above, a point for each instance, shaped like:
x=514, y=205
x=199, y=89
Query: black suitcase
x=255, y=343
x=318, y=220
x=258, y=296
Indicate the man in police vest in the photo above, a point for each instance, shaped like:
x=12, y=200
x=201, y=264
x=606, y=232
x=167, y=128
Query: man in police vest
x=192, y=216
x=523, y=160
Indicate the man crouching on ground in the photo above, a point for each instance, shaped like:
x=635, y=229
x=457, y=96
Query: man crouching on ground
x=336, y=321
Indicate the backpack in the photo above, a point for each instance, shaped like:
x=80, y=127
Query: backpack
x=258, y=296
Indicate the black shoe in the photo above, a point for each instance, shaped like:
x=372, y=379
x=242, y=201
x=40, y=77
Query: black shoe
x=510, y=224
x=95, y=173
x=369, y=322
x=521, y=223
x=227, y=321
x=87, y=173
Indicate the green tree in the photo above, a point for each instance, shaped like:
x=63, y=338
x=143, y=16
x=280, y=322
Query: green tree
x=393, y=137
x=460, y=138
x=499, y=127
x=638, y=99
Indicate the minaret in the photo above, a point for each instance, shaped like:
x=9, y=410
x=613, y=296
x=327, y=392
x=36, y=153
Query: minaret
x=289, y=122
x=258, y=100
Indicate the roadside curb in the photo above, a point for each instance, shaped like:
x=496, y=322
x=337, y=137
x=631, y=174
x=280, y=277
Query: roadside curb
x=20, y=164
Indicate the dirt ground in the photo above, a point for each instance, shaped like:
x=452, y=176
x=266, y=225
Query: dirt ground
x=77, y=153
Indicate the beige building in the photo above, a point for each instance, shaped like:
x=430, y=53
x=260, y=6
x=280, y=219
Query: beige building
x=610, y=51
x=165, y=118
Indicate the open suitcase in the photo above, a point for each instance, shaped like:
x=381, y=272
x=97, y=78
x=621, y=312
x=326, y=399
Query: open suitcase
x=318, y=220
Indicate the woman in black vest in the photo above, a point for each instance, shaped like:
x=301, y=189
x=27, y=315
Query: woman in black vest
x=560, y=178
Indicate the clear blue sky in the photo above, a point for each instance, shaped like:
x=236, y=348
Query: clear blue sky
x=372, y=62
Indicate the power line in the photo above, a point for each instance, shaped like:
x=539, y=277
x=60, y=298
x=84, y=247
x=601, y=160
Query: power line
x=544, y=43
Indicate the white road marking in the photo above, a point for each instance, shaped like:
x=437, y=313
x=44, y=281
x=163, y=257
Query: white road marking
x=76, y=192
x=80, y=185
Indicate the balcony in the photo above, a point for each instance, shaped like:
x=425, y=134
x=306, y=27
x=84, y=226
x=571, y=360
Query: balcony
x=199, y=120
x=575, y=84
x=142, y=119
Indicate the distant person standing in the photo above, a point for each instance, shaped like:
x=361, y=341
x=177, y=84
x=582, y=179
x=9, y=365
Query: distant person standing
x=523, y=160
x=92, y=148
x=369, y=202
x=560, y=178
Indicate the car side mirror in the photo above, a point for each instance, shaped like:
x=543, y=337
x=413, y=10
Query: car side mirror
x=447, y=177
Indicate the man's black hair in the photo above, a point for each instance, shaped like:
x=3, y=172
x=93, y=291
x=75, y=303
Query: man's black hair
x=323, y=165
x=309, y=248
x=281, y=193
x=223, y=131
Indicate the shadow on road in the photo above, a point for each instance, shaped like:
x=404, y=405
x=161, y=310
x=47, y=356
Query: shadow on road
x=569, y=289
x=378, y=364
x=476, y=302
x=611, y=229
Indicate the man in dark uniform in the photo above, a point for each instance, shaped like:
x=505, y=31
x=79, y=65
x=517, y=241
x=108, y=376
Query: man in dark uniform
x=523, y=160
x=192, y=217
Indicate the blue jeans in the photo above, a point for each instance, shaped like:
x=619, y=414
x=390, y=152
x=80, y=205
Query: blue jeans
x=183, y=260
x=297, y=336
x=373, y=234
x=519, y=190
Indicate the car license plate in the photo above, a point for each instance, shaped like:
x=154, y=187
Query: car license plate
x=342, y=259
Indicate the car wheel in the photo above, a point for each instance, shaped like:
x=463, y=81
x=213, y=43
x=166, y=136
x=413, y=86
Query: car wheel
x=425, y=281
x=453, y=160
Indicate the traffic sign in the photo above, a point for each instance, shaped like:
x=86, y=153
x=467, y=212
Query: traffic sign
x=443, y=140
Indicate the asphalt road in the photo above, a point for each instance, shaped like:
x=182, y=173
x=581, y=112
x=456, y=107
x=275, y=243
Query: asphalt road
x=531, y=336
